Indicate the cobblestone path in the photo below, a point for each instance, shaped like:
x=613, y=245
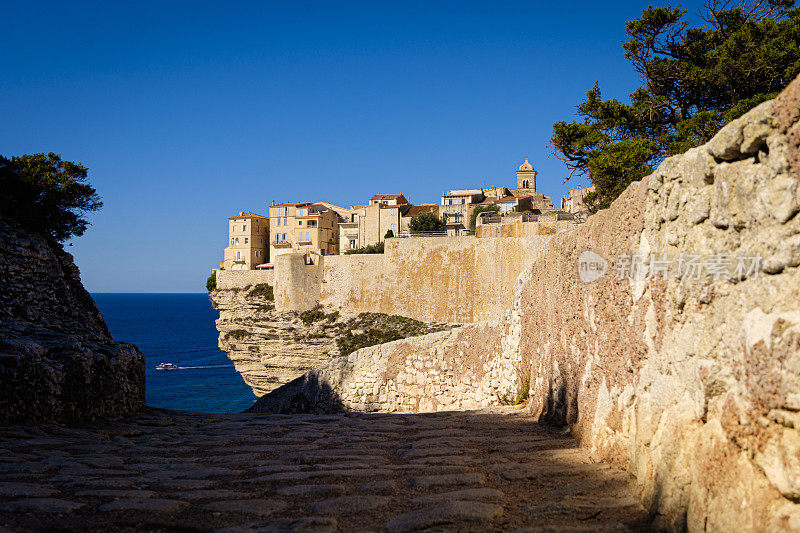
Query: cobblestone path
x=167, y=470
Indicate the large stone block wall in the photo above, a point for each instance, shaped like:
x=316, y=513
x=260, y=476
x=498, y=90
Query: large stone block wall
x=58, y=361
x=438, y=279
x=239, y=279
x=433, y=279
x=694, y=382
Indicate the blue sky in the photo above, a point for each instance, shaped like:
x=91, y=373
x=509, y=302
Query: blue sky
x=186, y=113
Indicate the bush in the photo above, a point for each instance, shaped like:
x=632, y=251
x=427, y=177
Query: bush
x=46, y=195
x=426, y=223
x=389, y=234
x=317, y=314
x=211, y=282
x=237, y=334
x=349, y=343
x=491, y=208
x=369, y=249
x=262, y=290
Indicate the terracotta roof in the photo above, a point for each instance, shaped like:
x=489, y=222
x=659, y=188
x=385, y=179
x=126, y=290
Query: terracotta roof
x=511, y=199
x=414, y=210
x=242, y=214
x=298, y=204
x=387, y=197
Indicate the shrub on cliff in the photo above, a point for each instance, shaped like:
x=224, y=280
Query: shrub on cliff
x=696, y=80
x=211, y=282
x=262, y=290
x=46, y=195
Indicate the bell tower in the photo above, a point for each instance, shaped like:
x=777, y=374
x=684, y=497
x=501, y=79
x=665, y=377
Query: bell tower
x=526, y=177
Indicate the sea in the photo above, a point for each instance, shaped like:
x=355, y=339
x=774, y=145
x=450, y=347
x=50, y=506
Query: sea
x=179, y=329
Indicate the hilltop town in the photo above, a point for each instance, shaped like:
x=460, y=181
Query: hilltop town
x=322, y=228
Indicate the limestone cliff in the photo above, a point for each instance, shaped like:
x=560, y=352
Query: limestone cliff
x=677, y=351
x=271, y=348
x=58, y=361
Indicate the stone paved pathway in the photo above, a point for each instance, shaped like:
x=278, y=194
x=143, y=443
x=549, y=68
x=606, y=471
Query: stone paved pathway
x=167, y=470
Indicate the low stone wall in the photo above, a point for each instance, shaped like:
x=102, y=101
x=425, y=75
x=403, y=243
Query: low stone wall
x=239, y=279
x=691, y=379
x=58, y=362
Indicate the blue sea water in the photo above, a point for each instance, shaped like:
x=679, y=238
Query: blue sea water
x=178, y=328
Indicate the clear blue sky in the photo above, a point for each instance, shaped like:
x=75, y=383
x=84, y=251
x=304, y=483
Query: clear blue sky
x=188, y=113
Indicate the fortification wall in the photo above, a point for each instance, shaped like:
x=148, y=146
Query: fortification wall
x=239, y=279
x=692, y=377
x=438, y=279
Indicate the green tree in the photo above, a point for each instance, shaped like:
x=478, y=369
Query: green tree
x=389, y=234
x=426, y=223
x=211, y=282
x=473, y=219
x=695, y=80
x=46, y=195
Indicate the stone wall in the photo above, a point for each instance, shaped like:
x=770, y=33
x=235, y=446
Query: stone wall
x=691, y=380
x=58, y=361
x=239, y=279
x=433, y=279
x=437, y=279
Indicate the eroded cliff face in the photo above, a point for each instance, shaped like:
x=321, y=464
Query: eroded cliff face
x=58, y=361
x=692, y=377
x=269, y=348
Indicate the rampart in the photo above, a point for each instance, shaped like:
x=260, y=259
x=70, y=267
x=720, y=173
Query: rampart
x=689, y=376
x=239, y=279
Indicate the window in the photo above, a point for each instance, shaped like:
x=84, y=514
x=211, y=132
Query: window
x=394, y=212
x=277, y=238
x=283, y=237
x=394, y=228
x=285, y=222
x=237, y=241
x=232, y=241
x=449, y=201
x=312, y=224
x=463, y=200
x=238, y=255
x=245, y=240
x=244, y=227
x=256, y=253
x=234, y=227
x=286, y=211
x=299, y=212
x=352, y=243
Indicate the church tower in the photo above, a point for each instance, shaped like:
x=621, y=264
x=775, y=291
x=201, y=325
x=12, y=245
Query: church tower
x=526, y=177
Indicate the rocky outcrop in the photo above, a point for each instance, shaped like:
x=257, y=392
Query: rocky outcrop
x=665, y=331
x=58, y=361
x=271, y=348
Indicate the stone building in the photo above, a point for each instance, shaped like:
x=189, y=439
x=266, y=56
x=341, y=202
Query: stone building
x=573, y=202
x=388, y=199
x=303, y=228
x=457, y=207
x=526, y=186
x=514, y=204
x=248, y=238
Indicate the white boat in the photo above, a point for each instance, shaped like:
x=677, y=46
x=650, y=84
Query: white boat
x=167, y=366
